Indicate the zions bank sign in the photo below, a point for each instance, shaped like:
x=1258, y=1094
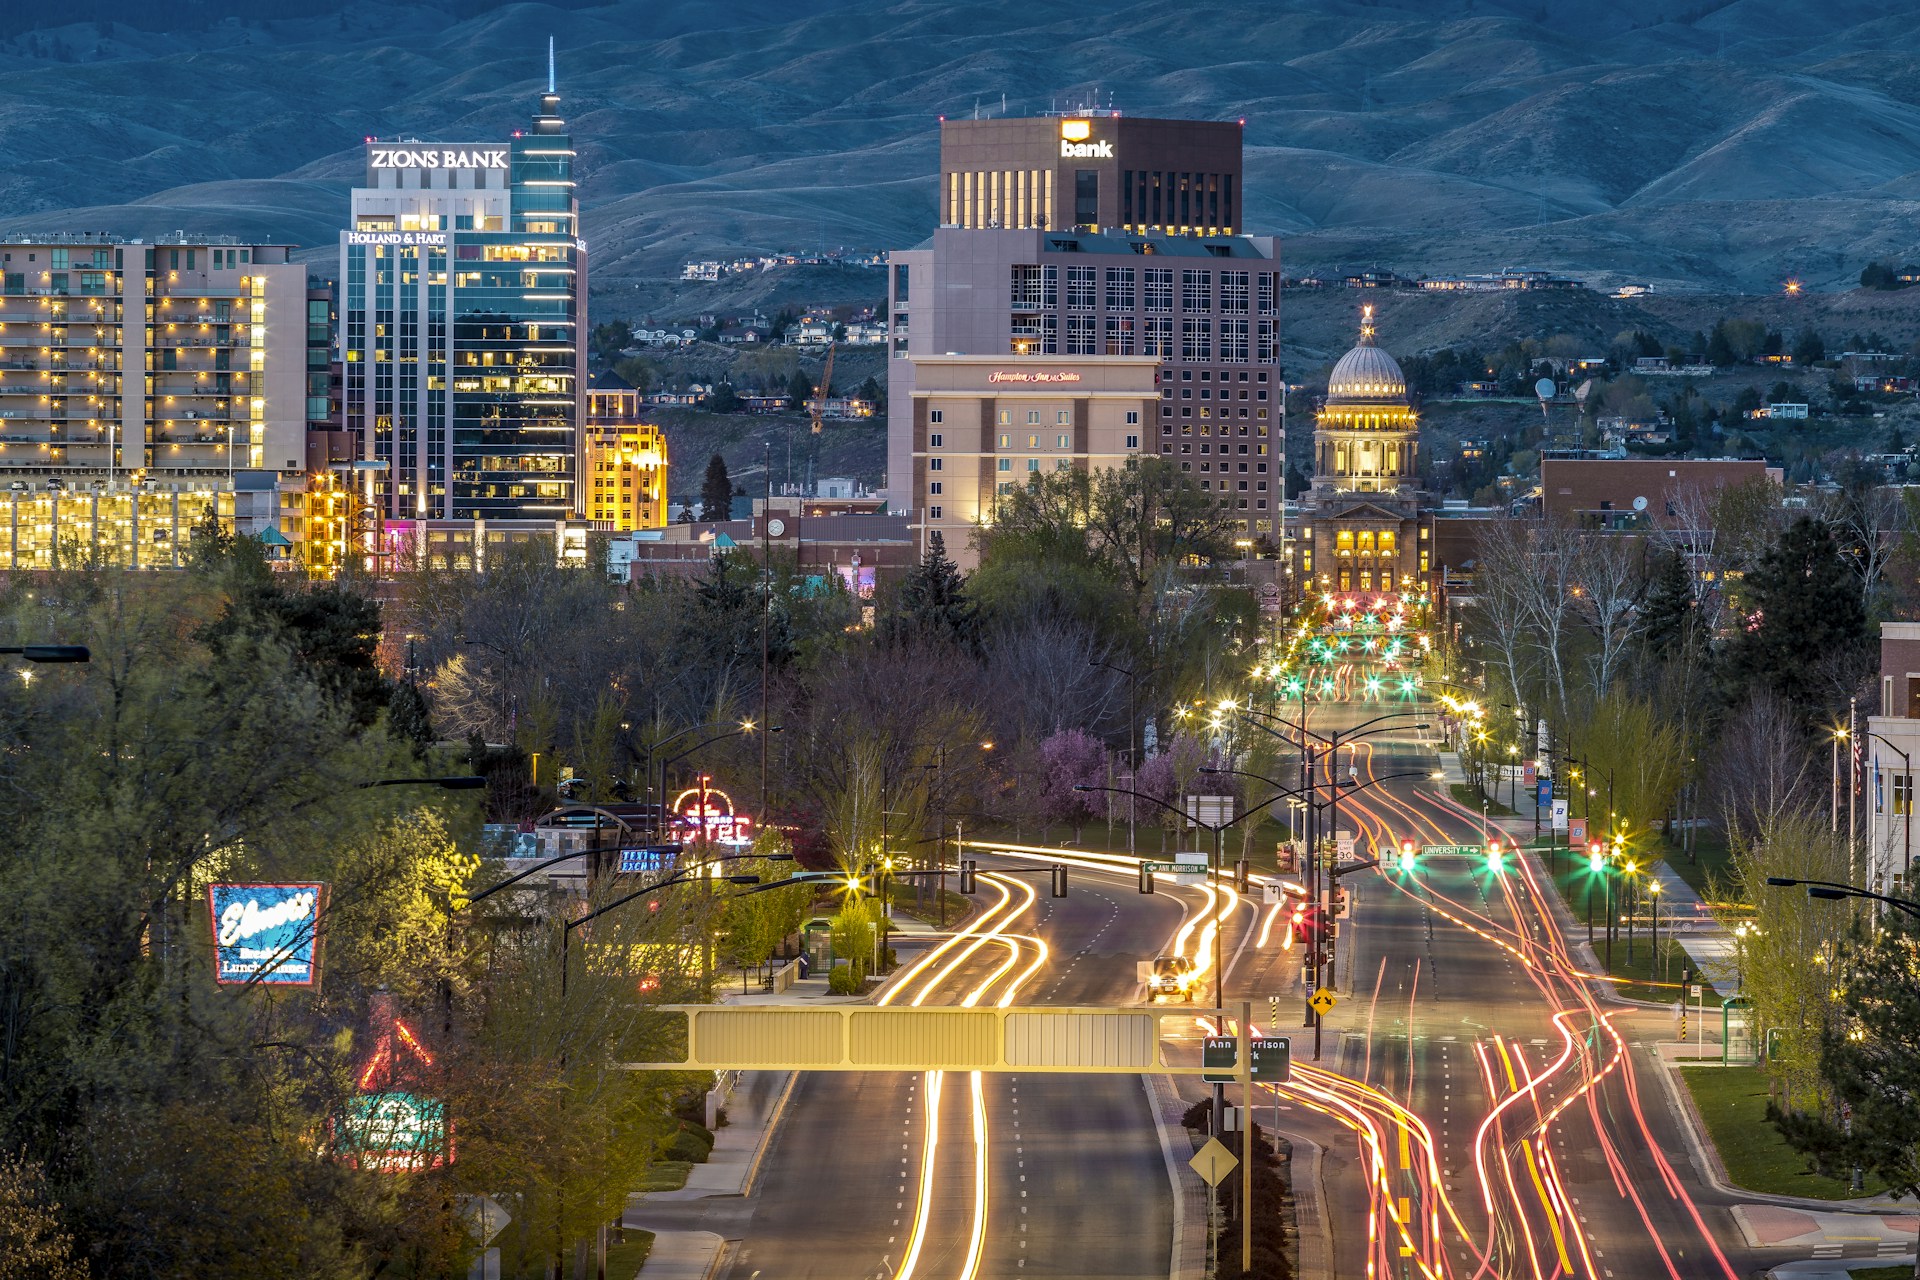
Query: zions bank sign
x=381, y=156
x=1077, y=142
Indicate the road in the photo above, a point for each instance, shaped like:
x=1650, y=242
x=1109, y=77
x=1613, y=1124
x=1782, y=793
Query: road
x=1485, y=1109
x=849, y=1189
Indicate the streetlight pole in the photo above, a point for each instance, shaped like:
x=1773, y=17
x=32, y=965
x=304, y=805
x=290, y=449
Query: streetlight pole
x=1653, y=903
x=1833, y=891
x=1132, y=674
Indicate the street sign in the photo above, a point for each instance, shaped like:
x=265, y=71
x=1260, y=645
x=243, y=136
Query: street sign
x=1323, y=1001
x=648, y=859
x=1210, y=811
x=1190, y=869
x=1269, y=894
x=1450, y=850
x=1272, y=1059
x=1217, y=1054
x=485, y=1218
x=1343, y=845
x=1214, y=1162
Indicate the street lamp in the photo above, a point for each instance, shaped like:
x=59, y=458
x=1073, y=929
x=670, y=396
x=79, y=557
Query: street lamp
x=1833, y=891
x=1741, y=932
x=461, y=782
x=1653, y=901
x=50, y=652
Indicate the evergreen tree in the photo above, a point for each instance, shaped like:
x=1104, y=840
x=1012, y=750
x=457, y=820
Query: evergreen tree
x=408, y=720
x=1801, y=621
x=1809, y=348
x=716, y=491
x=1669, y=620
x=874, y=394
x=933, y=601
x=1720, y=351
x=1868, y=1059
x=800, y=390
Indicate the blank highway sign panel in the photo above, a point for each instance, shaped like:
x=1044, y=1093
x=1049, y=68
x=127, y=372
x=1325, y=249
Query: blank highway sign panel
x=866, y=1038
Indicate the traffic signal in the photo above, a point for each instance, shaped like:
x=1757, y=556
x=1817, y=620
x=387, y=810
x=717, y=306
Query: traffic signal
x=1059, y=879
x=1409, y=853
x=1146, y=879
x=969, y=873
x=1243, y=876
x=1305, y=923
x=1493, y=854
x=1340, y=902
x=1595, y=858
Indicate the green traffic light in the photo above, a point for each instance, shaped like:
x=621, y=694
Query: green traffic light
x=1407, y=863
x=1595, y=862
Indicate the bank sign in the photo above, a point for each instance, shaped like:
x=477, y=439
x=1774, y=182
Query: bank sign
x=490, y=156
x=1077, y=142
x=266, y=933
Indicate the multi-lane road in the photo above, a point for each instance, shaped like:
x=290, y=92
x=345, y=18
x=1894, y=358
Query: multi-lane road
x=1485, y=1108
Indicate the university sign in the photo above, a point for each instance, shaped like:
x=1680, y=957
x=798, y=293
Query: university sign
x=266, y=933
x=483, y=157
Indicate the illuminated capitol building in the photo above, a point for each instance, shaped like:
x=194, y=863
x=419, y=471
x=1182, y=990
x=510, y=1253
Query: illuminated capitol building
x=1359, y=527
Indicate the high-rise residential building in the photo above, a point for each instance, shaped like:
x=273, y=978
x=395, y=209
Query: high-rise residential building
x=463, y=309
x=1142, y=258
x=623, y=460
x=142, y=386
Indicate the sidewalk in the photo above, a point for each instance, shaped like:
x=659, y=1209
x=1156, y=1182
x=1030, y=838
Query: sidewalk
x=1706, y=942
x=715, y=1194
x=683, y=1246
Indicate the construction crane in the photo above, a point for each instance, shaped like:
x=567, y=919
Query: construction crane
x=817, y=406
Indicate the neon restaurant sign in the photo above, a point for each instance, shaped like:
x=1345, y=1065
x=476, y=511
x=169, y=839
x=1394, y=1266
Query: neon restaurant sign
x=266, y=933
x=385, y=1127
x=706, y=813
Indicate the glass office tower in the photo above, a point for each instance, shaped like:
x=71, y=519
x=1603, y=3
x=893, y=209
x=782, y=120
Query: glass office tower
x=463, y=322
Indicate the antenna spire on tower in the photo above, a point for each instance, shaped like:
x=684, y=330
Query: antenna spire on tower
x=1366, y=325
x=550, y=82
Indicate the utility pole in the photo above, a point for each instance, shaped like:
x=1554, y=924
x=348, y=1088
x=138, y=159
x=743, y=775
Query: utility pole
x=766, y=609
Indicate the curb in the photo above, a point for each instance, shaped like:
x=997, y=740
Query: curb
x=1706, y=1160
x=1182, y=1261
x=766, y=1134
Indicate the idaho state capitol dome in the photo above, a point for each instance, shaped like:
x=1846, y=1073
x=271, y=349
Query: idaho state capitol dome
x=1366, y=372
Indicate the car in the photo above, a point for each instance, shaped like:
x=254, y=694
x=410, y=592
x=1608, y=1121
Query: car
x=1171, y=976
